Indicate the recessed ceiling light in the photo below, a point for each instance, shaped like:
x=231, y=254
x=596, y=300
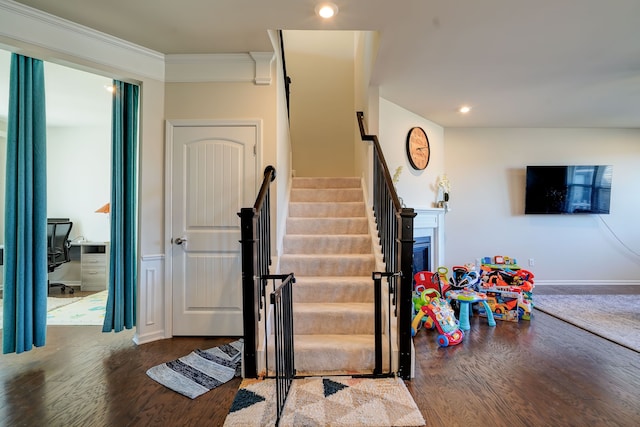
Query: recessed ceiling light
x=326, y=10
x=464, y=109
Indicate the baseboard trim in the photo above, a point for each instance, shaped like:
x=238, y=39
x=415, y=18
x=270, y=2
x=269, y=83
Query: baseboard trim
x=578, y=282
x=143, y=339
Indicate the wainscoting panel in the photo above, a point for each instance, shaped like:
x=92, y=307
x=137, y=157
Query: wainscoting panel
x=151, y=324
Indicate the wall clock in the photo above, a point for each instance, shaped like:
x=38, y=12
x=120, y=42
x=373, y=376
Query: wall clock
x=418, y=150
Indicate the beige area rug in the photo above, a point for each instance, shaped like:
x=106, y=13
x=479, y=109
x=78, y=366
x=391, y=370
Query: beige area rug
x=328, y=401
x=89, y=310
x=613, y=317
x=52, y=304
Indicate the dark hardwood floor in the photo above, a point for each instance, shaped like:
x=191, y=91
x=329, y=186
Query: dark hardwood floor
x=539, y=373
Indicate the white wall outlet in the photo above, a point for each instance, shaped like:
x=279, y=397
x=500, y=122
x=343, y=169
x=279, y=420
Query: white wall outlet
x=532, y=262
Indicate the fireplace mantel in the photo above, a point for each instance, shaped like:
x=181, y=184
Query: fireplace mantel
x=430, y=223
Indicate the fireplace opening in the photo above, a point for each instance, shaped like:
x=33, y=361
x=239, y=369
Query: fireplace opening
x=421, y=254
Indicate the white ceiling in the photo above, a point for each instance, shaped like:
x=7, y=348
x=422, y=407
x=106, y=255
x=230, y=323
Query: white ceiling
x=86, y=102
x=545, y=63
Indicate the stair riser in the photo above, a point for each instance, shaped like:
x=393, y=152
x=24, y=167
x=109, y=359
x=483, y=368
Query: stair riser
x=334, y=361
x=327, y=210
x=339, y=323
x=343, y=182
x=334, y=355
x=334, y=292
x=343, y=244
x=327, y=226
x=326, y=195
x=320, y=266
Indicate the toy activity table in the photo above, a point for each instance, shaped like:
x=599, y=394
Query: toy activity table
x=466, y=297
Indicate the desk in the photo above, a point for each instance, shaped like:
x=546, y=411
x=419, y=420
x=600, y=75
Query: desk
x=94, y=264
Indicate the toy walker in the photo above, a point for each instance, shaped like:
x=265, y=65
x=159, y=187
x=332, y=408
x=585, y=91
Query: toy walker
x=443, y=319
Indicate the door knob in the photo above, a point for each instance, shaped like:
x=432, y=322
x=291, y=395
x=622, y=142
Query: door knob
x=179, y=240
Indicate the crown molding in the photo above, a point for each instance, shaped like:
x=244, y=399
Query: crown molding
x=263, y=62
x=34, y=33
x=226, y=67
x=38, y=34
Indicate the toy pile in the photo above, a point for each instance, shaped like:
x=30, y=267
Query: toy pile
x=509, y=288
x=504, y=288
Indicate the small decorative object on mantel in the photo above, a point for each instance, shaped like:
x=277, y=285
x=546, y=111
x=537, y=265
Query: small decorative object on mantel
x=444, y=188
x=395, y=179
x=418, y=150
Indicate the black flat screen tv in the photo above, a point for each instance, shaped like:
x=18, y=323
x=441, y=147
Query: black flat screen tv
x=584, y=189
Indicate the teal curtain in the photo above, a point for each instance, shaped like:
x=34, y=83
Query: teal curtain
x=121, y=302
x=25, y=232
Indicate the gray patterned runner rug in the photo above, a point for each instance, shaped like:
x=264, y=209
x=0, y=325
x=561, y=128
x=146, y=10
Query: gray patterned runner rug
x=201, y=370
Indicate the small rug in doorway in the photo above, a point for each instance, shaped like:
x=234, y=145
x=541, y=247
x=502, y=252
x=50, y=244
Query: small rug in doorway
x=329, y=401
x=52, y=304
x=201, y=370
x=613, y=317
x=89, y=311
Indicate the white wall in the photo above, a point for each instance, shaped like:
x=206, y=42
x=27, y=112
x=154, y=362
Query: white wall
x=486, y=168
x=321, y=66
x=78, y=156
x=418, y=189
x=279, y=210
x=79, y=178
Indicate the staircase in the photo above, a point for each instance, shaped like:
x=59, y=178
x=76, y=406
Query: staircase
x=329, y=248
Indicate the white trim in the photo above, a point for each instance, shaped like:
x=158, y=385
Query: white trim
x=153, y=257
x=263, y=62
x=430, y=223
x=146, y=338
x=47, y=36
x=227, y=67
x=579, y=282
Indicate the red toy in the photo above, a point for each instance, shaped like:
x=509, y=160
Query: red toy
x=444, y=320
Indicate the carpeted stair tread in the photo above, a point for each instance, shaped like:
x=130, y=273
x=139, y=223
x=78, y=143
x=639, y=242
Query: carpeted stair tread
x=333, y=318
x=333, y=289
x=326, y=195
x=329, y=265
x=324, y=226
x=335, y=354
x=327, y=209
x=327, y=244
x=326, y=182
x=329, y=248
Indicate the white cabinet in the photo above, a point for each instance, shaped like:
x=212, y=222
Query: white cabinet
x=94, y=261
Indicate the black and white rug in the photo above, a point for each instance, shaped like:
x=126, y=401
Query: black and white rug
x=201, y=370
x=326, y=401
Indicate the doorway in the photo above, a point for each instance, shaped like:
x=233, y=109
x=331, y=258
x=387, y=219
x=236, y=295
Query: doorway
x=78, y=111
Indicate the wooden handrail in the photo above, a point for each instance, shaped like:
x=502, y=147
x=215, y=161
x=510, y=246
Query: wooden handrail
x=255, y=244
x=395, y=230
x=376, y=144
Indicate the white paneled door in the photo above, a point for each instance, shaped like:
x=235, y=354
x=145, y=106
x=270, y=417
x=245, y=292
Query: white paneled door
x=213, y=176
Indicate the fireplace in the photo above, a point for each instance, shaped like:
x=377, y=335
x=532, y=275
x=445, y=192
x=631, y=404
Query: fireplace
x=421, y=254
x=428, y=235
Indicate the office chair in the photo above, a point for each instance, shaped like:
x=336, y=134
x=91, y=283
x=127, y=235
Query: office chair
x=58, y=245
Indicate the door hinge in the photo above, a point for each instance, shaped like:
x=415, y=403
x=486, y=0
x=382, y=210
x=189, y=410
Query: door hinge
x=255, y=150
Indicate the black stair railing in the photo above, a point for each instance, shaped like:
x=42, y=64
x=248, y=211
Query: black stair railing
x=256, y=258
x=282, y=300
x=377, y=277
x=395, y=229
